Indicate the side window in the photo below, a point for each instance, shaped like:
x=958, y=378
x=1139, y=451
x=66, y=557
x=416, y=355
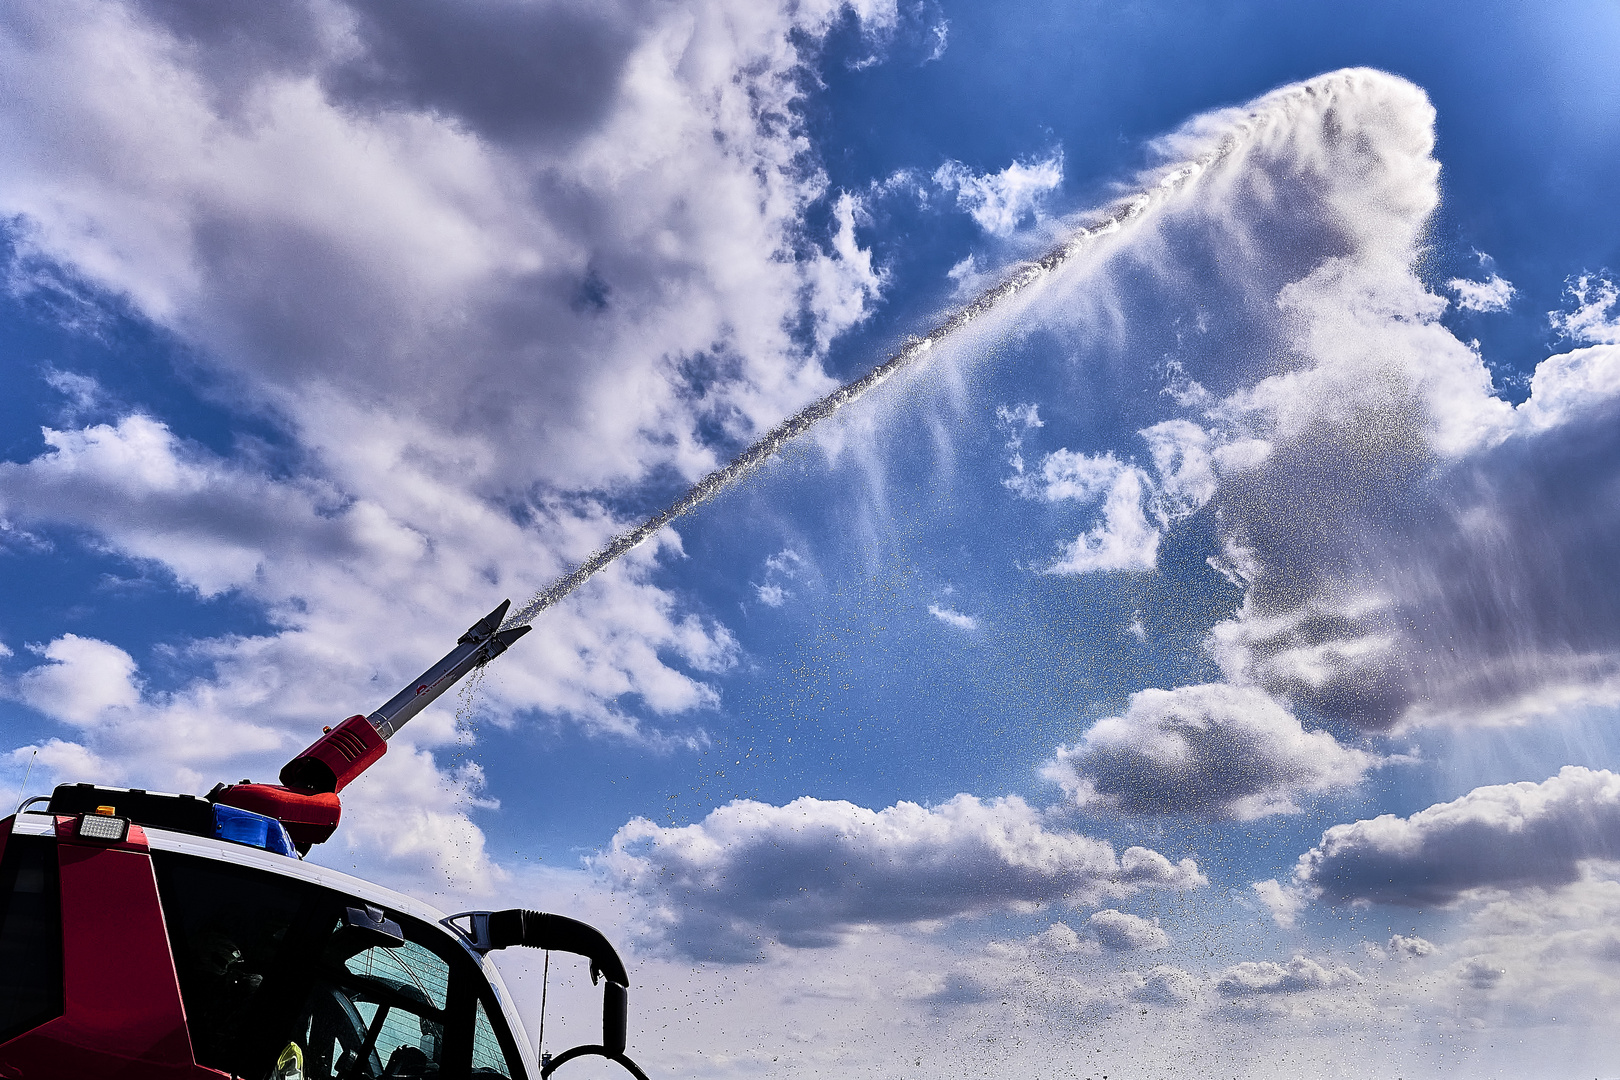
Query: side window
x=230, y=929
x=401, y=994
x=488, y=1059
x=385, y=1009
x=30, y=935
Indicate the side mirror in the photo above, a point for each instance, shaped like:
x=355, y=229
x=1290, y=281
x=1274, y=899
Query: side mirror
x=615, y=1018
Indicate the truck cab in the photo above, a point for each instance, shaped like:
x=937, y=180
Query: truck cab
x=162, y=936
x=151, y=936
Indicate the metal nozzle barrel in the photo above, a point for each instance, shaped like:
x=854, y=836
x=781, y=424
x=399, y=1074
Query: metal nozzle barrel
x=479, y=645
x=347, y=750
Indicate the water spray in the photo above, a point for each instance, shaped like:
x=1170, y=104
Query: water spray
x=1126, y=212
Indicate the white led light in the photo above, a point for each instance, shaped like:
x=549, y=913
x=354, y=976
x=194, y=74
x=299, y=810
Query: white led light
x=102, y=827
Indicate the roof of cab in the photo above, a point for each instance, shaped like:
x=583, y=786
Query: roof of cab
x=44, y=824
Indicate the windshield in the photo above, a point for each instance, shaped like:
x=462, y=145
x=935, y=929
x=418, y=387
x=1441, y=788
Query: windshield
x=267, y=963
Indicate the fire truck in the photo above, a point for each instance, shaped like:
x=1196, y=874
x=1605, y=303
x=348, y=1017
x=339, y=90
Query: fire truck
x=154, y=936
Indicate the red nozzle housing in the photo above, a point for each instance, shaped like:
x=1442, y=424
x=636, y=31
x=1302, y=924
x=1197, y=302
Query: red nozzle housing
x=335, y=758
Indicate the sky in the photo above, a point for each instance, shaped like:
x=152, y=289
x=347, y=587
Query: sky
x=1206, y=662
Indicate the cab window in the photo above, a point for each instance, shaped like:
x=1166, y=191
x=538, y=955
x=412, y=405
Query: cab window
x=274, y=969
x=30, y=935
x=381, y=1012
x=488, y=1059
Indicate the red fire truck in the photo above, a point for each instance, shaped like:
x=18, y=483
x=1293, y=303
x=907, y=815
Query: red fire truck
x=148, y=935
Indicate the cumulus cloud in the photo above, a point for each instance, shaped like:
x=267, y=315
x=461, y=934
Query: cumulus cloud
x=1166, y=985
x=1136, y=505
x=1299, y=975
x=1480, y=972
x=1495, y=293
x=1208, y=749
x=1505, y=836
x=406, y=819
x=574, y=235
x=413, y=557
x=1539, y=955
x=81, y=680
x=1410, y=947
x=1123, y=932
x=1000, y=202
x=1054, y=975
x=807, y=873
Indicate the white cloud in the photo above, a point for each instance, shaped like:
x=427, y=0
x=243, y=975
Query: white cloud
x=1284, y=902
x=328, y=568
x=1064, y=474
x=377, y=213
x=1181, y=457
x=1493, y=294
x=1207, y=749
x=56, y=760
x=808, y=873
x=1123, y=932
x=953, y=618
x=82, y=680
x=1018, y=421
x=405, y=818
x=1299, y=975
x=1591, y=323
x=1166, y=985
x=843, y=283
x=1123, y=539
x=1480, y=973
x=1410, y=947
x=1184, y=460
x=785, y=566
x=1505, y=836
x=1000, y=202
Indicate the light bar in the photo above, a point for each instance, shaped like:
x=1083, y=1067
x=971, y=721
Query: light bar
x=102, y=825
x=254, y=830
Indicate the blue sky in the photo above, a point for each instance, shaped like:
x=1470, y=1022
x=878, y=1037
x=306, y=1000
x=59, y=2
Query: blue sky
x=1186, y=655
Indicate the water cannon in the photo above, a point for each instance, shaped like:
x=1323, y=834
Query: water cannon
x=306, y=801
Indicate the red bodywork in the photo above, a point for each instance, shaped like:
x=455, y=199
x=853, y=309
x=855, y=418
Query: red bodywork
x=121, y=1009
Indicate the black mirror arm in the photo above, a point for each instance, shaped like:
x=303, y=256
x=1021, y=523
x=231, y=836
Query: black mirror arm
x=486, y=931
